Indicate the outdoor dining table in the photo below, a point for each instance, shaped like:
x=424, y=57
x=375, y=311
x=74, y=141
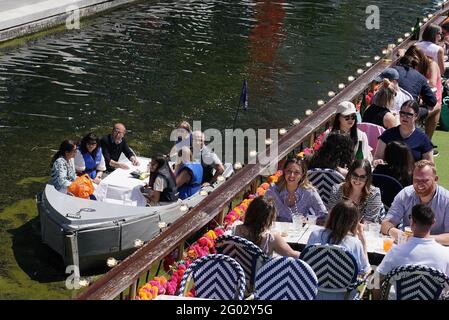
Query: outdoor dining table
x=298, y=238
x=119, y=186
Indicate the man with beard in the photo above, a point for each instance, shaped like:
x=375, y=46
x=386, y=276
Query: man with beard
x=424, y=190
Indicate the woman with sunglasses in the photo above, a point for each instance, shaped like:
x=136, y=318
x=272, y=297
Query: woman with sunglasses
x=293, y=194
x=346, y=122
x=89, y=158
x=357, y=188
x=259, y=219
x=419, y=144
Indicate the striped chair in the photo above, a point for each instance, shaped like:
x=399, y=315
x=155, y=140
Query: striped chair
x=323, y=180
x=285, y=278
x=215, y=276
x=336, y=269
x=246, y=253
x=415, y=282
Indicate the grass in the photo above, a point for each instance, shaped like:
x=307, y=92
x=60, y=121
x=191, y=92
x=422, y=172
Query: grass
x=441, y=139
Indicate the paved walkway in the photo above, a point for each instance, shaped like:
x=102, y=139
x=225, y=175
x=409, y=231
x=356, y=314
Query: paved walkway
x=21, y=17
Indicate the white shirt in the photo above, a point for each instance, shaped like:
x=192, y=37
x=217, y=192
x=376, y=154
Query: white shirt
x=159, y=184
x=424, y=251
x=80, y=166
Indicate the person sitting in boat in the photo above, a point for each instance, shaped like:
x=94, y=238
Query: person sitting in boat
x=112, y=147
x=183, y=135
x=336, y=153
x=208, y=159
x=189, y=175
x=161, y=186
x=62, y=166
x=89, y=158
x=259, y=219
x=381, y=110
x=357, y=188
x=413, y=137
x=293, y=194
x=399, y=163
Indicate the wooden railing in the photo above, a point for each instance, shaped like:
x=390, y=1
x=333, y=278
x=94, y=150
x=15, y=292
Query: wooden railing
x=127, y=274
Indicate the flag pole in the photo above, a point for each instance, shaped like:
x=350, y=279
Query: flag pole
x=242, y=100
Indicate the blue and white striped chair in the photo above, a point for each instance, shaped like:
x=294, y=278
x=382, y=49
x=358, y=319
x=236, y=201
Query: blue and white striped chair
x=285, y=278
x=323, y=180
x=215, y=276
x=246, y=253
x=336, y=269
x=415, y=282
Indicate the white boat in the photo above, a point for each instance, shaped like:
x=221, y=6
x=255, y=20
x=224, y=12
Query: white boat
x=86, y=232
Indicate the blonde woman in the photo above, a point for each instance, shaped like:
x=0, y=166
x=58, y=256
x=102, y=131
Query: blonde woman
x=293, y=194
x=381, y=110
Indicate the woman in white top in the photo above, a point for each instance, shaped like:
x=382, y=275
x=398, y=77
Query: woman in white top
x=259, y=219
x=428, y=45
x=346, y=122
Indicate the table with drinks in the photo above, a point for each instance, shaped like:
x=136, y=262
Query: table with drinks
x=297, y=234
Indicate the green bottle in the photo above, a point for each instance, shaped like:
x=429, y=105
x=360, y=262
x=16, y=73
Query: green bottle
x=359, y=153
x=416, y=30
x=363, y=104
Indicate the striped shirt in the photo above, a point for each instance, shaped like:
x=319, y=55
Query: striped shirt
x=371, y=209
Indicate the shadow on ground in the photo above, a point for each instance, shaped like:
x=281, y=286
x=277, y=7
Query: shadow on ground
x=36, y=259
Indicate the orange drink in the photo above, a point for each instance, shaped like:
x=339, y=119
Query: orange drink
x=388, y=243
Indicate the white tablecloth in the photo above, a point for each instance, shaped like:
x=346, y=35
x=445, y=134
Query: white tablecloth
x=374, y=242
x=120, y=187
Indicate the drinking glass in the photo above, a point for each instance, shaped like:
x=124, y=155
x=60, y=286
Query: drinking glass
x=311, y=219
x=387, y=243
x=297, y=222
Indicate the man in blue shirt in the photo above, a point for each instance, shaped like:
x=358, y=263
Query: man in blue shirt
x=424, y=190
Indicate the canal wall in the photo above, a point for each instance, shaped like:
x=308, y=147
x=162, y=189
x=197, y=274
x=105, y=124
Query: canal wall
x=22, y=17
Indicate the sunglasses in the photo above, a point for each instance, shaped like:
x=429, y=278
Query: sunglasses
x=406, y=114
x=349, y=117
x=355, y=176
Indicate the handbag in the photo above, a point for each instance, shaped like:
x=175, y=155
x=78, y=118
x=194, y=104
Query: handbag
x=82, y=187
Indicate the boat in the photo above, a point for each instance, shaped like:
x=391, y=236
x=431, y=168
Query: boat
x=85, y=232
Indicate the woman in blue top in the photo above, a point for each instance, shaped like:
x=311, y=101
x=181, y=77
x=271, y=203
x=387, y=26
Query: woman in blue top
x=413, y=137
x=293, y=194
x=62, y=166
x=343, y=228
x=89, y=158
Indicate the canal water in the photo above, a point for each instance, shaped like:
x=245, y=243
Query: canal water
x=151, y=64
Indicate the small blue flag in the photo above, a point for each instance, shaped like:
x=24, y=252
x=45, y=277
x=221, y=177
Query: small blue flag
x=244, y=96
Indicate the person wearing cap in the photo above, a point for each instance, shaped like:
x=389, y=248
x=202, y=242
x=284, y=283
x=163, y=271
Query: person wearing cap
x=346, y=122
x=380, y=112
x=402, y=95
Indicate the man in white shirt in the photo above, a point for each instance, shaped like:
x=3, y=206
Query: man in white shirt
x=421, y=248
x=209, y=160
